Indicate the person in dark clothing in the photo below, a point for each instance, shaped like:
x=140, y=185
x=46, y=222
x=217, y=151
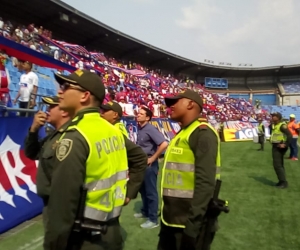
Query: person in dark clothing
x=281, y=138
x=37, y=149
x=261, y=134
x=191, y=166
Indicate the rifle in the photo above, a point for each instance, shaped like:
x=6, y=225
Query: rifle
x=215, y=207
x=80, y=223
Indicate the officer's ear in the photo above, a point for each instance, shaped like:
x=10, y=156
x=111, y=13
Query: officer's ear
x=116, y=116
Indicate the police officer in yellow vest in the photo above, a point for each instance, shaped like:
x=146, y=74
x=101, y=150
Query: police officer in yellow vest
x=281, y=138
x=191, y=167
x=137, y=159
x=91, y=153
x=261, y=134
x=112, y=112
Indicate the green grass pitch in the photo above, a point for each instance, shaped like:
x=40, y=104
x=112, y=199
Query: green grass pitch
x=261, y=217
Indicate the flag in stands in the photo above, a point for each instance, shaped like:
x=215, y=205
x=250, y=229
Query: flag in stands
x=73, y=47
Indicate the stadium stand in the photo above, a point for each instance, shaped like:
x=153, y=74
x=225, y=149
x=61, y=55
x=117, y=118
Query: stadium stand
x=150, y=78
x=284, y=110
x=291, y=87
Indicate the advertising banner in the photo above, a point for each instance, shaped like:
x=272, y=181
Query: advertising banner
x=242, y=131
x=18, y=199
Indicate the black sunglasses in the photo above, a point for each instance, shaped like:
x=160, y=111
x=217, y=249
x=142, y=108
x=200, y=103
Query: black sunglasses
x=67, y=86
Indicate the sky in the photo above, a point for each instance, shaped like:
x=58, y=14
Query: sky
x=258, y=32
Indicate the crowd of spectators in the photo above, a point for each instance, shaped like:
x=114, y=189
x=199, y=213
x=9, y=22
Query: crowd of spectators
x=128, y=83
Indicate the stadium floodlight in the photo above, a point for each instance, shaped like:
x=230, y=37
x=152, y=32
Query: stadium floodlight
x=245, y=64
x=64, y=17
x=209, y=61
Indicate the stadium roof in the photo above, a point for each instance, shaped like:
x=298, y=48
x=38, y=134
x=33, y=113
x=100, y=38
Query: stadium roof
x=82, y=29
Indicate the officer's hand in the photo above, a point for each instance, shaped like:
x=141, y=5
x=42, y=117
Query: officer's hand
x=151, y=160
x=187, y=242
x=38, y=121
x=127, y=200
x=281, y=145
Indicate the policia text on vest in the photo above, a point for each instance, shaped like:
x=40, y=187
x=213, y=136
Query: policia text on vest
x=109, y=145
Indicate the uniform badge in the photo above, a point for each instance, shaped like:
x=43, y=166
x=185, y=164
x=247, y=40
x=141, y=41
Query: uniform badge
x=54, y=145
x=78, y=72
x=63, y=149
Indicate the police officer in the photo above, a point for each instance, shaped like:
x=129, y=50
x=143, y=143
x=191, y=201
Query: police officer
x=112, y=112
x=54, y=116
x=261, y=134
x=281, y=138
x=191, y=166
x=44, y=149
x=137, y=159
x=90, y=153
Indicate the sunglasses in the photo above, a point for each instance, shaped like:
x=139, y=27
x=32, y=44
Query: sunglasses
x=67, y=86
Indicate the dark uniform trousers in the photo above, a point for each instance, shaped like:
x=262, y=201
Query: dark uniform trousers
x=170, y=239
x=261, y=141
x=112, y=240
x=278, y=162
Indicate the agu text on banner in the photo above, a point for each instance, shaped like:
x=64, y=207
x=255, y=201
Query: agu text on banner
x=242, y=131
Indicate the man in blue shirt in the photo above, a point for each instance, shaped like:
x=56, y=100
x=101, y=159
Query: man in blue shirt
x=154, y=144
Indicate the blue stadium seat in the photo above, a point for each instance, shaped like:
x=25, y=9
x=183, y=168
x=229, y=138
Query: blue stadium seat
x=291, y=87
x=284, y=110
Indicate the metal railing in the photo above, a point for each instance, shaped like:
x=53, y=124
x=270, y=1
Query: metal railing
x=25, y=112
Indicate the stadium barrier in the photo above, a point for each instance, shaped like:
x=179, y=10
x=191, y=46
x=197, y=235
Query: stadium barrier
x=18, y=199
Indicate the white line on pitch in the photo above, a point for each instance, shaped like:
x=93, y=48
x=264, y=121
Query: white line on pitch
x=33, y=243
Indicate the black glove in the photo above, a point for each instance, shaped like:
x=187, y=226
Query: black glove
x=187, y=242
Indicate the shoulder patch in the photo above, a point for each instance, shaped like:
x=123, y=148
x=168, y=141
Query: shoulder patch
x=284, y=126
x=63, y=149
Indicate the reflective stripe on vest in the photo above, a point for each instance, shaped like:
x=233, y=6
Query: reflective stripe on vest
x=179, y=170
x=99, y=215
x=106, y=167
x=277, y=136
x=106, y=183
x=122, y=128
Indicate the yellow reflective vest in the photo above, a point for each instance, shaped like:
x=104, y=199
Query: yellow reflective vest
x=106, y=167
x=260, y=129
x=277, y=136
x=121, y=127
x=178, y=176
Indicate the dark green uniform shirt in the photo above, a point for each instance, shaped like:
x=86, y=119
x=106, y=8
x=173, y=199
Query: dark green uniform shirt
x=204, y=144
x=59, y=181
x=43, y=150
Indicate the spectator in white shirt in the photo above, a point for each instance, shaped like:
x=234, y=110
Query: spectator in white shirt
x=28, y=88
x=156, y=108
